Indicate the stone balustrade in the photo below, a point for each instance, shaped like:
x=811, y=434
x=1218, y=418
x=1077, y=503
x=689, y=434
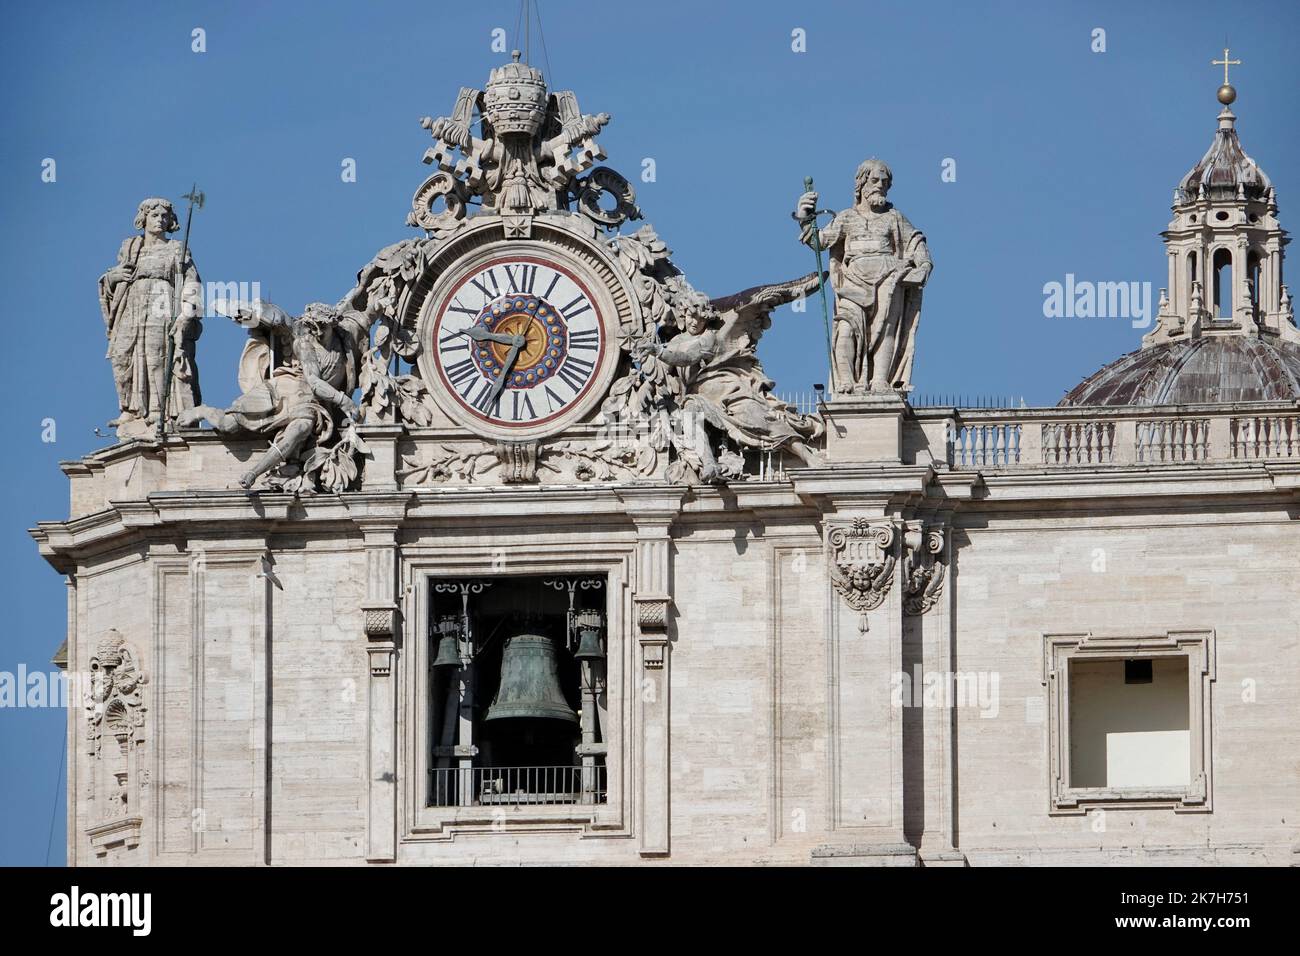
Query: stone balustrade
x=1091, y=436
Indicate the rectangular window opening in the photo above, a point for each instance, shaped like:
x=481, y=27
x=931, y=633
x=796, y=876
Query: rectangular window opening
x=518, y=694
x=1130, y=723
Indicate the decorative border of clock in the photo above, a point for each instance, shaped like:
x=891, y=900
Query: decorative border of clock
x=519, y=338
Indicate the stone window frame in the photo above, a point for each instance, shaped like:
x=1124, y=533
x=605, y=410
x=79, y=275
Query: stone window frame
x=1061, y=650
x=424, y=823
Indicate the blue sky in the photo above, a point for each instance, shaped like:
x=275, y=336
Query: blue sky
x=1066, y=160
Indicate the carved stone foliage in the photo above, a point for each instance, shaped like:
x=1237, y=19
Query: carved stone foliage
x=557, y=462
x=923, y=568
x=114, y=704
x=862, y=564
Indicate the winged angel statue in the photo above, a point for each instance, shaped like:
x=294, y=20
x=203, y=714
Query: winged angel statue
x=696, y=377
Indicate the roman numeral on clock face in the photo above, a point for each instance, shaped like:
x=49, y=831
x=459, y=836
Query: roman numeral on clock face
x=490, y=276
x=575, y=308
x=485, y=390
x=461, y=372
x=575, y=372
x=522, y=406
x=584, y=339
x=521, y=278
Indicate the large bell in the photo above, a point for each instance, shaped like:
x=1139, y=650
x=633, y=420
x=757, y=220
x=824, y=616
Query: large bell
x=530, y=682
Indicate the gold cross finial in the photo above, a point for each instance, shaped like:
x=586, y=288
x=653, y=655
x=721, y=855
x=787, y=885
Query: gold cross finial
x=1225, y=63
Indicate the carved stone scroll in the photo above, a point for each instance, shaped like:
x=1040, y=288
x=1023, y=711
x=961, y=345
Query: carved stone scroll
x=923, y=569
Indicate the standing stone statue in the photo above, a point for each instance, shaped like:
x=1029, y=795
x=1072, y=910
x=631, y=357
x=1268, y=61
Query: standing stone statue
x=138, y=297
x=879, y=265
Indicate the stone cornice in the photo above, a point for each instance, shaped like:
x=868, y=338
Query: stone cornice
x=882, y=490
x=1110, y=481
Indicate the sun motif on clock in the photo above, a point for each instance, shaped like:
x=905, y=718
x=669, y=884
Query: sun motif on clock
x=518, y=344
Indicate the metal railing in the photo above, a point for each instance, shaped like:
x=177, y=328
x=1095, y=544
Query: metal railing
x=513, y=786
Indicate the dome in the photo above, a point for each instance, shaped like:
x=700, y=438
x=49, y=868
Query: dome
x=1224, y=168
x=1204, y=370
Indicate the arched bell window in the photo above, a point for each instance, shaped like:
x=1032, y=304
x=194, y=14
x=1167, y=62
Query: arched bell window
x=1221, y=265
x=1252, y=279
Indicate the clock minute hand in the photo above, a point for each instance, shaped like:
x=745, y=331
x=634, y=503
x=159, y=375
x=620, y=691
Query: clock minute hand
x=516, y=343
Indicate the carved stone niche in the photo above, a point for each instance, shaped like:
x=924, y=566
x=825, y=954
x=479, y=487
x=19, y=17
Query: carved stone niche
x=862, y=564
x=115, y=712
x=923, y=567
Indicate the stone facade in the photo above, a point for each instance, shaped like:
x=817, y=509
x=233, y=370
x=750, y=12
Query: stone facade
x=831, y=636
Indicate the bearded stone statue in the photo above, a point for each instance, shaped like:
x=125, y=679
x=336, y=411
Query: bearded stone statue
x=879, y=264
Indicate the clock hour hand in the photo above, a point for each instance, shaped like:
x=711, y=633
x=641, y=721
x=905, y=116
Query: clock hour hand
x=481, y=333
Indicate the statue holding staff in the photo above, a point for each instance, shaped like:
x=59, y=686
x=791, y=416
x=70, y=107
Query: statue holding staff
x=879, y=264
x=153, y=282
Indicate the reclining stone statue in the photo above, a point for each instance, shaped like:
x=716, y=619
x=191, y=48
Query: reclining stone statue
x=297, y=377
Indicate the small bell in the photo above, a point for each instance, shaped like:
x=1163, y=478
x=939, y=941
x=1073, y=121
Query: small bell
x=589, y=625
x=449, y=642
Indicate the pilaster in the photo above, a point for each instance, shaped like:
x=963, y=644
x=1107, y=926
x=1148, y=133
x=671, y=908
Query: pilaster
x=653, y=510
x=379, y=516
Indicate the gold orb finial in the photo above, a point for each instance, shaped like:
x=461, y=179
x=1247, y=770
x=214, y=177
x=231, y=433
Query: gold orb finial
x=1226, y=93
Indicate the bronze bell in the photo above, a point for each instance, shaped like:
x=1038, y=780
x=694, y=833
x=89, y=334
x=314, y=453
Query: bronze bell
x=530, y=682
x=589, y=624
x=449, y=642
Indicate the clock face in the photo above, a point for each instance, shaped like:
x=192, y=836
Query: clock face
x=518, y=344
